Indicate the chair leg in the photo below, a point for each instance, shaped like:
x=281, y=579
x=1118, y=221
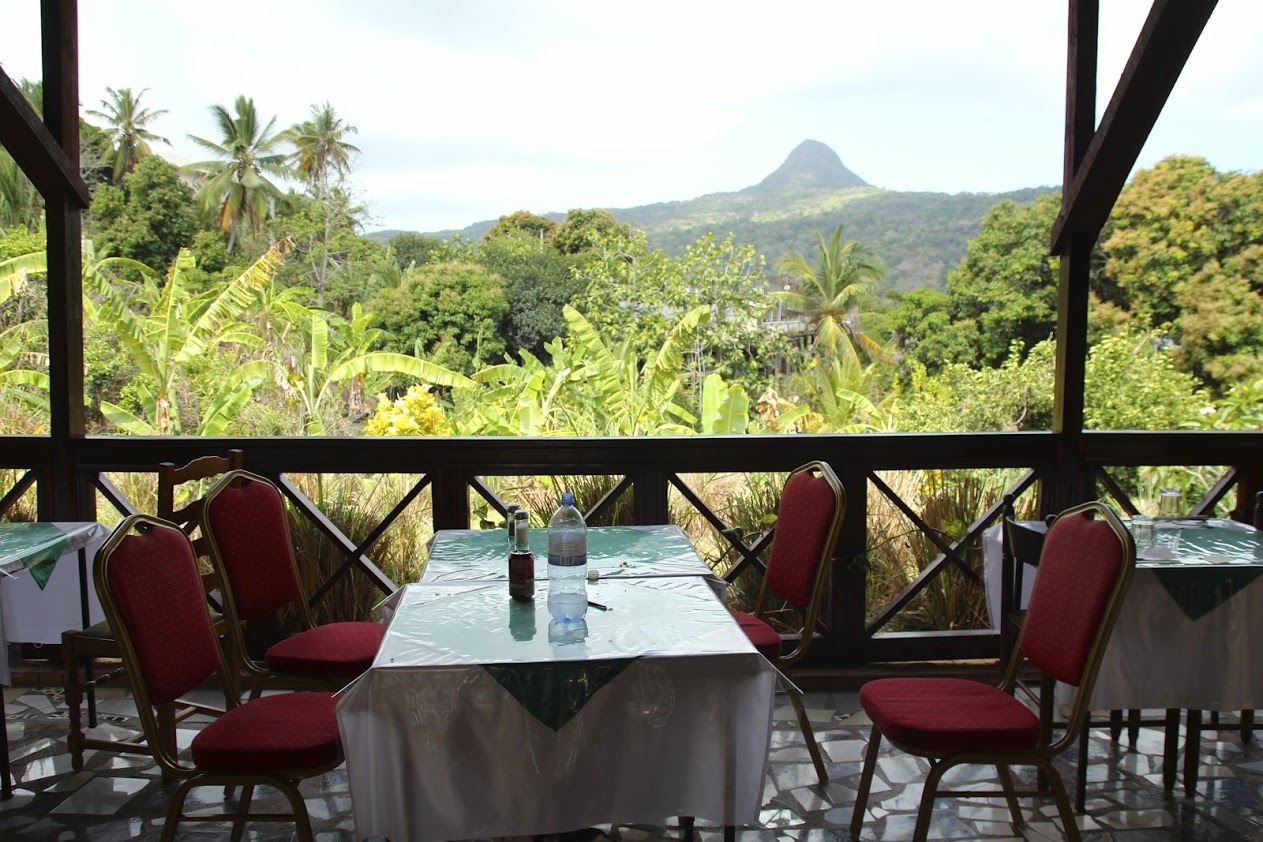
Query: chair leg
x=730, y=833
x=1069, y=826
x=302, y=824
x=928, y=794
x=1170, y=749
x=1247, y=726
x=165, y=738
x=1010, y=794
x=89, y=680
x=686, y=828
x=239, y=824
x=804, y=723
x=1133, y=727
x=1080, y=797
x=74, y=700
x=176, y=810
x=1116, y=726
x=866, y=781
x=1192, y=751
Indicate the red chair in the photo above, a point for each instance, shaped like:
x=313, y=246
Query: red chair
x=1084, y=572
x=81, y=648
x=148, y=583
x=807, y=528
x=243, y=516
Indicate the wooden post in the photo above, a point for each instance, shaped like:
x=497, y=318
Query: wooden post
x=70, y=497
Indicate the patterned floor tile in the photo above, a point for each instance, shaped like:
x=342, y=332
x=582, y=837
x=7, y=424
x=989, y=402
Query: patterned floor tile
x=120, y=797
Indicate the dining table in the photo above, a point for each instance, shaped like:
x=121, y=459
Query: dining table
x=481, y=716
x=30, y=554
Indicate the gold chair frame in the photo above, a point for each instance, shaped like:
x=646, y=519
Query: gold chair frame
x=254, y=674
x=153, y=720
x=1040, y=756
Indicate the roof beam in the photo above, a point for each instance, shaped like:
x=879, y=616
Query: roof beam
x=30, y=143
x=1164, y=45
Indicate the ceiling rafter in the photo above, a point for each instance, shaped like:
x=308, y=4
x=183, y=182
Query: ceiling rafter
x=30, y=143
x=1167, y=39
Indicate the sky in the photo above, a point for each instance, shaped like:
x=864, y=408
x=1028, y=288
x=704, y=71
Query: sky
x=472, y=109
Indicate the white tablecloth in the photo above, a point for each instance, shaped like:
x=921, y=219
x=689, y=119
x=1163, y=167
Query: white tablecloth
x=438, y=749
x=31, y=615
x=993, y=572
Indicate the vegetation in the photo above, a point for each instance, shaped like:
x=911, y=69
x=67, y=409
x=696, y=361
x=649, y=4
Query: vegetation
x=251, y=303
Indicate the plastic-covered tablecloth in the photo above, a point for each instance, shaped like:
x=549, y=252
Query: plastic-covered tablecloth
x=469, y=555
x=481, y=718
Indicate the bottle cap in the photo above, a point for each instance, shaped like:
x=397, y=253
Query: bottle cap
x=567, y=499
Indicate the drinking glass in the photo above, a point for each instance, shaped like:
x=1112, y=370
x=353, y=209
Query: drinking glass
x=1142, y=532
x=1169, y=503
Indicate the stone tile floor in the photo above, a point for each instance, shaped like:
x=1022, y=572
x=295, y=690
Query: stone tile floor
x=118, y=797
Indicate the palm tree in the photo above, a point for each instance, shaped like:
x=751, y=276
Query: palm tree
x=320, y=147
x=126, y=128
x=236, y=187
x=828, y=294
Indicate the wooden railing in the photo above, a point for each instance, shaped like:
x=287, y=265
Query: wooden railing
x=649, y=468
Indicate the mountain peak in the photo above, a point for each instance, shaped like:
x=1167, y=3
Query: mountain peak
x=811, y=164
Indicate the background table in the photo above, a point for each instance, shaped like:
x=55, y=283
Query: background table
x=41, y=594
x=478, y=718
x=29, y=555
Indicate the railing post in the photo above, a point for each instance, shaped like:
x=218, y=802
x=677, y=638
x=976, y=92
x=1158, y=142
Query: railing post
x=650, y=498
x=450, y=492
x=846, y=642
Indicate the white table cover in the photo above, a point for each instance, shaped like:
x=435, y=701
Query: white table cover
x=438, y=749
x=31, y=615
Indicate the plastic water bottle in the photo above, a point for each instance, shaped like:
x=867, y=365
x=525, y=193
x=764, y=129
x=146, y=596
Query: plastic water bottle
x=567, y=563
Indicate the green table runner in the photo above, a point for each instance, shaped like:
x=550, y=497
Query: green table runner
x=553, y=670
x=33, y=546
x=464, y=555
x=1203, y=564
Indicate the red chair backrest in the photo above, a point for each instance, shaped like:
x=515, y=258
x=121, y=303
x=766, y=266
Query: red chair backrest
x=154, y=585
x=803, y=525
x=247, y=519
x=1081, y=563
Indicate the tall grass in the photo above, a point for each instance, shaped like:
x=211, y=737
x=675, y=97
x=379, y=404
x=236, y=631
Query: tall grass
x=356, y=504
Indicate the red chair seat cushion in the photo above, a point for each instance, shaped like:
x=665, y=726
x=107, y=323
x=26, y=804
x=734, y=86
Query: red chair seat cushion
x=764, y=637
x=286, y=732
x=949, y=714
x=335, y=650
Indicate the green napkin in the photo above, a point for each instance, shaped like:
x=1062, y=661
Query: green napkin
x=38, y=545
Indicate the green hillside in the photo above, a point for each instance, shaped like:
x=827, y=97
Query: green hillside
x=919, y=236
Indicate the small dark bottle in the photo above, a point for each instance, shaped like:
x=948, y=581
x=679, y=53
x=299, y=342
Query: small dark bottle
x=521, y=562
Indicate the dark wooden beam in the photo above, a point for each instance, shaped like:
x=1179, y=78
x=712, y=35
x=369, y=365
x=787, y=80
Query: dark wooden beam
x=28, y=140
x=72, y=497
x=1164, y=45
x=1082, y=45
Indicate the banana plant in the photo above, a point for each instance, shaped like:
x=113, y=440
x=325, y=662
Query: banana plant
x=171, y=329
x=630, y=398
x=15, y=354
x=333, y=360
x=525, y=399
x=725, y=407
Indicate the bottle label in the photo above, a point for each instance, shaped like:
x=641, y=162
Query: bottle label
x=568, y=551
